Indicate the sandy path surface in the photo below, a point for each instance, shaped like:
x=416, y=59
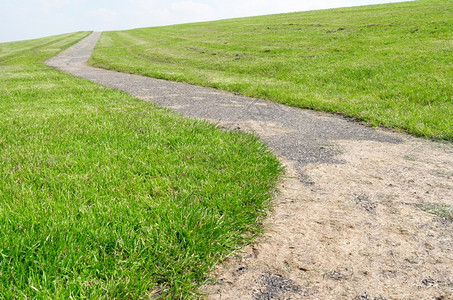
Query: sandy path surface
x=351, y=220
x=357, y=231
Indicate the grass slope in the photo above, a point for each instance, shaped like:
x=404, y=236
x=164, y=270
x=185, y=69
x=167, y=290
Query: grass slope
x=388, y=65
x=107, y=196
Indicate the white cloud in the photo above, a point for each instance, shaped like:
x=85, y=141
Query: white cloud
x=102, y=19
x=103, y=13
x=186, y=11
x=190, y=7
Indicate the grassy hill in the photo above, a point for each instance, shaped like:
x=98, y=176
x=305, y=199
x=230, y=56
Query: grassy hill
x=389, y=65
x=104, y=196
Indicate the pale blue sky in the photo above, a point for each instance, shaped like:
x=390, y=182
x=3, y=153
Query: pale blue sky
x=27, y=19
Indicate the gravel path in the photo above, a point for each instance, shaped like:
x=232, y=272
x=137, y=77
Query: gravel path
x=299, y=135
x=348, y=222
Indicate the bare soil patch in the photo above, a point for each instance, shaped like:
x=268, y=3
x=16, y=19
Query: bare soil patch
x=357, y=230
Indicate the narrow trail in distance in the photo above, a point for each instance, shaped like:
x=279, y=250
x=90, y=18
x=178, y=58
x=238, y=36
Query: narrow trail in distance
x=350, y=220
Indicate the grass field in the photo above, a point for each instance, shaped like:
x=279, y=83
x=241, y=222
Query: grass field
x=389, y=65
x=104, y=196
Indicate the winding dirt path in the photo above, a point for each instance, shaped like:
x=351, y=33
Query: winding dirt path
x=350, y=220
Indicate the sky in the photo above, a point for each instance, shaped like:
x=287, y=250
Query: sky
x=28, y=19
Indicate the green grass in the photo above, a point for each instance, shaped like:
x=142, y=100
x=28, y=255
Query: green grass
x=389, y=65
x=441, y=210
x=106, y=196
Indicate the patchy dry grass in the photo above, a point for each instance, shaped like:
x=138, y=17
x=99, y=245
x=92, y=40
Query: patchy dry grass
x=441, y=210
